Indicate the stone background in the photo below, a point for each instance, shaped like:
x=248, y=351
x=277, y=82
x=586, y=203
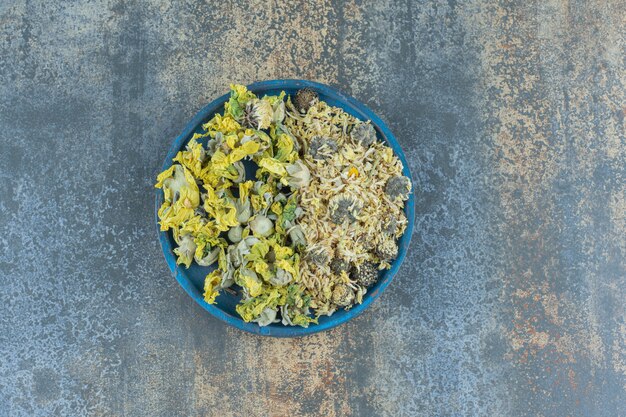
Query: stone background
x=511, y=300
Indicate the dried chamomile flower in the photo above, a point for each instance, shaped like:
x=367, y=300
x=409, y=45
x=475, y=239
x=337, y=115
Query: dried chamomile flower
x=344, y=207
x=365, y=274
x=343, y=295
x=339, y=265
x=305, y=98
x=318, y=255
x=322, y=148
x=364, y=134
x=387, y=249
x=398, y=186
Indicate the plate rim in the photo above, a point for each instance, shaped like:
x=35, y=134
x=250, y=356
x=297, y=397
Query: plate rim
x=364, y=113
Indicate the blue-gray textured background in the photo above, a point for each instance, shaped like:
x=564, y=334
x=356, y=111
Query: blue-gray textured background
x=511, y=301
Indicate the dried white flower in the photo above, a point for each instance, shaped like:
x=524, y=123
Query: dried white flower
x=299, y=175
x=261, y=225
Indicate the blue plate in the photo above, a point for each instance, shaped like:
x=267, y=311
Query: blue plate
x=192, y=279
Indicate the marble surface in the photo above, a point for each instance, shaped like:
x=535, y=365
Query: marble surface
x=510, y=302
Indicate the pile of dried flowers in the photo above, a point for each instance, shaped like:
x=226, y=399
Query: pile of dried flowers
x=353, y=206
x=309, y=234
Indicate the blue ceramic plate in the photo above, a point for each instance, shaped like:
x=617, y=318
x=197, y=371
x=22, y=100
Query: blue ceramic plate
x=192, y=279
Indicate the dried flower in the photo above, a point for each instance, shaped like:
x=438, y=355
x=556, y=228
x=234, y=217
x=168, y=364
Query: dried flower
x=299, y=175
x=364, y=134
x=344, y=207
x=365, y=274
x=210, y=256
x=387, y=249
x=267, y=316
x=322, y=148
x=281, y=278
x=305, y=98
x=185, y=250
x=258, y=114
x=339, y=265
x=235, y=234
x=353, y=172
x=398, y=186
x=279, y=112
x=241, y=172
x=261, y=225
x=343, y=295
x=244, y=210
x=317, y=255
x=297, y=236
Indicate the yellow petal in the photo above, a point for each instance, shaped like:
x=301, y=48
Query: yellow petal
x=273, y=166
x=211, y=283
